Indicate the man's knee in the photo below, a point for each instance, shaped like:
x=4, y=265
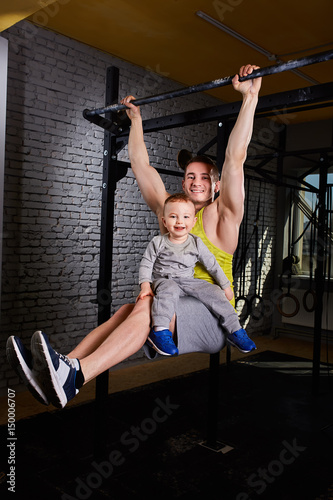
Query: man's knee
x=142, y=307
x=126, y=309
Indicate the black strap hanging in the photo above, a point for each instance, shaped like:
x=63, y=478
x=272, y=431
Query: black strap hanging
x=241, y=263
x=256, y=301
x=288, y=271
x=311, y=290
x=329, y=263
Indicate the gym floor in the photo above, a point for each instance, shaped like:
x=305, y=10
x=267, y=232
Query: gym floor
x=136, y=375
x=274, y=437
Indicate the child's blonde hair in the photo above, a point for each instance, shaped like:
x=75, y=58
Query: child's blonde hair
x=182, y=197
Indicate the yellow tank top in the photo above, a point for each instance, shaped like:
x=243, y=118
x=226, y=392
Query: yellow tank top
x=223, y=258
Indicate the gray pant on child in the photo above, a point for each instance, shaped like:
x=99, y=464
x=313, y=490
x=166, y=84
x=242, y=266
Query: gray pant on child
x=167, y=292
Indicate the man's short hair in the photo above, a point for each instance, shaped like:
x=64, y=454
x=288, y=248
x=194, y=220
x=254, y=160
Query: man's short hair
x=214, y=172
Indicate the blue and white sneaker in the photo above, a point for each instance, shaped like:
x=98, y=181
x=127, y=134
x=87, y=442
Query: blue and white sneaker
x=241, y=340
x=162, y=342
x=57, y=372
x=21, y=360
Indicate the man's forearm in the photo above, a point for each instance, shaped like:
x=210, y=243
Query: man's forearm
x=137, y=150
x=241, y=134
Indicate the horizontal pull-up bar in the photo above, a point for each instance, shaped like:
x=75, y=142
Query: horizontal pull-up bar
x=221, y=82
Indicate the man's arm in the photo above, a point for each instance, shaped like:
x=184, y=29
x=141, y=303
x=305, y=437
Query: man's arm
x=148, y=179
x=231, y=199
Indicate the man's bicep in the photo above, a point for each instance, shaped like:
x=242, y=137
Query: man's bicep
x=232, y=192
x=152, y=189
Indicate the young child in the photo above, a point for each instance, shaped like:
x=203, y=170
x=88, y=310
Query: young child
x=167, y=270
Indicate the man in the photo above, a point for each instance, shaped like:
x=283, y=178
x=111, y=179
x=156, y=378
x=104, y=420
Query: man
x=218, y=220
x=55, y=378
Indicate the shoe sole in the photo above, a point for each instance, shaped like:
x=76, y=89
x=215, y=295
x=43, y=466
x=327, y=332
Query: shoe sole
x=159, y=350
x=51, y=385
x=18, y=363
x=237, y=347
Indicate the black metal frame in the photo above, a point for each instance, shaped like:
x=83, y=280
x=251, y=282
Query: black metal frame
x=113, y=171
x=320, y=273
x=220, y=82
x=270, y=105
x=115, y=138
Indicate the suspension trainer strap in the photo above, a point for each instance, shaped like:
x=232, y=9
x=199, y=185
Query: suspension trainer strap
x=241, y=263
x=256, y=296
x=288, y=294
x=311, y=291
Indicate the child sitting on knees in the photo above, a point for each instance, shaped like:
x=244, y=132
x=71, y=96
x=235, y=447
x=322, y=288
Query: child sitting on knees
x=167, y=270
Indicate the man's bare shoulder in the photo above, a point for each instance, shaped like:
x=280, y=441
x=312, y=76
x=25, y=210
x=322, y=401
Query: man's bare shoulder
x=211, y=220
x=213, y=211
x=219, y=226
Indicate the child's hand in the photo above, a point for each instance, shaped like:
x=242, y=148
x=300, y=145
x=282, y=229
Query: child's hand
x=145, y=291
x=229, y=293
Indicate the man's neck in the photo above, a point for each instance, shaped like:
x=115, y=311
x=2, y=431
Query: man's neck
x=200, y=205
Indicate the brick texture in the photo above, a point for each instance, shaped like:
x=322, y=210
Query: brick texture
x=53, y=175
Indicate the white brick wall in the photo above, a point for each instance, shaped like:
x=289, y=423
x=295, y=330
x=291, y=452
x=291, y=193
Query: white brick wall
x=53, y=186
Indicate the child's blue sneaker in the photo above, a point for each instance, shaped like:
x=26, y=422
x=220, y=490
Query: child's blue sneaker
x=57, y=372
x=162, y=342
x=241, y=340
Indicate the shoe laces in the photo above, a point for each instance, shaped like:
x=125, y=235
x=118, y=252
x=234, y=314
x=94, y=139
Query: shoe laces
x=241, y=334
x=165, y=336
x=67, y=360
x=169, y=340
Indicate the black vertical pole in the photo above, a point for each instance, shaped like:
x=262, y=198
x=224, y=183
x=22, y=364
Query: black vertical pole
x=105, y=268
x=214, y=361
x=223, y=132
x=319, y=274
x=280, y=158
x=213, y=400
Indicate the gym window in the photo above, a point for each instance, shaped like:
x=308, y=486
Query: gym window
x=301, y=239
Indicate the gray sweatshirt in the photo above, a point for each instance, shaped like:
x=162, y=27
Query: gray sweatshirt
x=163, y=259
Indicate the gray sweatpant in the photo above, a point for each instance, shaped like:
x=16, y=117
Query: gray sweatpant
x=167, y=292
